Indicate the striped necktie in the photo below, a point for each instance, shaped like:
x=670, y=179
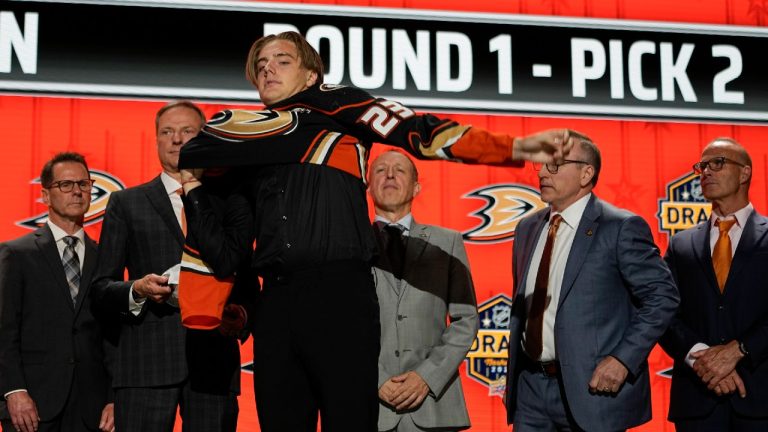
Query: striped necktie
x=71, y=263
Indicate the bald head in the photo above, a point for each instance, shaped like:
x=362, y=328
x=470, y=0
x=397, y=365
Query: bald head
x=727, y=175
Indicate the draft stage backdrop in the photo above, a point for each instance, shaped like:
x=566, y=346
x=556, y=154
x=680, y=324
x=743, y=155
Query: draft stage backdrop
x=660, y=93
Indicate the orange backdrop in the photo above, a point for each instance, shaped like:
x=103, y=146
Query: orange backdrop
x=641, y=160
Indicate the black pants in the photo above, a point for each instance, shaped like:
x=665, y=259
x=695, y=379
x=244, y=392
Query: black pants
x=316, y=347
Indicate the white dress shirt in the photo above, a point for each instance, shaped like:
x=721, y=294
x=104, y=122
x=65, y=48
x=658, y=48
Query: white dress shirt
x=566, y=232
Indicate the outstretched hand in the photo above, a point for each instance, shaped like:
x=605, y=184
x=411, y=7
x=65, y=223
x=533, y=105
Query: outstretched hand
x=551, y=146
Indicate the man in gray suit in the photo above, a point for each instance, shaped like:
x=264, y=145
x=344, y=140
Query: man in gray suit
x=592, y=297
x=422, y=277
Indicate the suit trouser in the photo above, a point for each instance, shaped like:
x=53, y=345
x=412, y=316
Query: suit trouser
x=316, y=347
x=541, y=405
x=153, y=409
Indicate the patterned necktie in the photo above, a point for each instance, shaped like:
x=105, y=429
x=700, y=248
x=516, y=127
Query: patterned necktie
x=722, y=254
x=533, y=332
x=71, y=263
x=395, y=248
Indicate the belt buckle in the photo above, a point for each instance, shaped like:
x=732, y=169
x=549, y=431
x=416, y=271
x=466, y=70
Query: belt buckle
x=549, y=368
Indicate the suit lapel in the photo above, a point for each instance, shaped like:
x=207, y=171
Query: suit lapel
x=89, y=265
x=753, y=232
x=582, y=241
x=47, y=247
x=529, y=245
x=700, y=245
x=158, y=197
x=418, y=237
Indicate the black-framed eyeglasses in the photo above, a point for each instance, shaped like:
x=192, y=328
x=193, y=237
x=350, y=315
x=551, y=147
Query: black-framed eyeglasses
x=553, y=167
x=714, y=164
x=67, y=186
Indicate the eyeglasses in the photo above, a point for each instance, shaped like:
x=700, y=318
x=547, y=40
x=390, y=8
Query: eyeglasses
x=714, y=164
x=67, y=186
x=553, y=168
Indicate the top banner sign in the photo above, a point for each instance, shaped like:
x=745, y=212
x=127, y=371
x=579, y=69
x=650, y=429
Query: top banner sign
x=426, y=59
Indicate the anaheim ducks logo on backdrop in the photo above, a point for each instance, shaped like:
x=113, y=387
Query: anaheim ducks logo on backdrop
x=239, y=125
x=104, y=186
x=505, y=205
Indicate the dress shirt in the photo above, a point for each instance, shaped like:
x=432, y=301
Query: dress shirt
x=741, y=216
x=404, y=222
x=171, y=186
x=59, y=234
x=306, y=215
x=566, y=232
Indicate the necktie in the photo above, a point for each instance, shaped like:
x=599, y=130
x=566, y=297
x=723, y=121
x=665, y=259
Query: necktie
x=721, y=254
x=395, y=248
x=71, y=263
x=180, y=191
x=533, y=342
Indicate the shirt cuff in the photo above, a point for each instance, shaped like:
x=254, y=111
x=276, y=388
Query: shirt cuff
x=134, y=306
x=698, y=347
x=12, y=392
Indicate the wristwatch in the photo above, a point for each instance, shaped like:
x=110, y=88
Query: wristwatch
x=743, y=349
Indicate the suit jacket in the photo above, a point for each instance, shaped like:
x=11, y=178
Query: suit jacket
x=140, y=233
x=617, y=298
x=46, y=342
x=436, y=283
x=706, y=315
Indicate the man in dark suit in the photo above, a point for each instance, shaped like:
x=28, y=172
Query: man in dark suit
x=422, y=283
x=592, y=297
x=719, y=337
x=53, y=373
x=143, y=233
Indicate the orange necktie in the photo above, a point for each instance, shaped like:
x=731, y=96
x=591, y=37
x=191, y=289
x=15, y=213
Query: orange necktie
x=721, y=254
x=180, y=191
x=534, y=329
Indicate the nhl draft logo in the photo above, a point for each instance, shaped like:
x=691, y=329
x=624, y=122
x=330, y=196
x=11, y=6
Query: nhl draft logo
x=103, y=187
x=487, y=359
x=505, y=205
x=684, y=205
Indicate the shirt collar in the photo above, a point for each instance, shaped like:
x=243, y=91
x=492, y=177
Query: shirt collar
x=404, y=222
x=59, y=233
x=572, y=214
x=170, y=183
x=741, y=216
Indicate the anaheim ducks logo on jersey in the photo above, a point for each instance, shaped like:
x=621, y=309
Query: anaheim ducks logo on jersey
x=241, y=125
x=104, y=186
x=506, y=205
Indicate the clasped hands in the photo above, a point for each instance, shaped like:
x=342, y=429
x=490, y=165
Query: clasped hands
x=716, y=366
x=404, y=392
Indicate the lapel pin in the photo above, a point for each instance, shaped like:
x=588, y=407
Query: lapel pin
x=589, y=232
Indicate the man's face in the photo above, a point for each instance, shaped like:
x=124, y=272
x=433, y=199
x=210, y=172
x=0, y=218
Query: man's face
x=174, y=128
x=70, y=206
x=724, y=183
x=392, y=182
x=562, y=189
x=279, y=72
